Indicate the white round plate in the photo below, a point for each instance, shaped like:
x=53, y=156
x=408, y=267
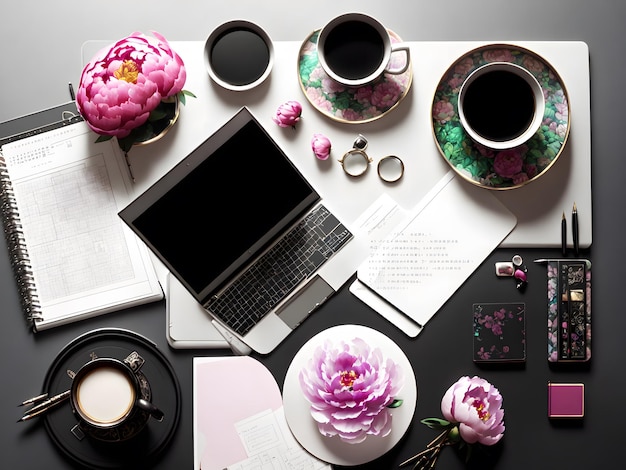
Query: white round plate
x=332, y=449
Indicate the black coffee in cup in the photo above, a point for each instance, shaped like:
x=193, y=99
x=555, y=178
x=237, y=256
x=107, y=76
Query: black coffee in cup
x=354, y=49
x=239, y=56
x=499, y=105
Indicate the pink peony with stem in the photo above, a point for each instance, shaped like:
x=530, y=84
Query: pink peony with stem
x=473, y=413
x=127, y=80
x=476, y=406
x=351, y=388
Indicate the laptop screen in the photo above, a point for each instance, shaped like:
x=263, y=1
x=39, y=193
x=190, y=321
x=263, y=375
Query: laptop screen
x=222, y=204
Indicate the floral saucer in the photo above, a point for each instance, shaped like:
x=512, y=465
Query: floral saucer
x=352, y=105
x=507, y=169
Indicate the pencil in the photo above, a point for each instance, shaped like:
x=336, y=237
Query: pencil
x=30, y=401
x=563, y=235
x=44, y=406
x=575, y=228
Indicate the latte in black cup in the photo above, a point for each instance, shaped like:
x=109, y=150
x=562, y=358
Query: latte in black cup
x=105, y=395
x=110, y=401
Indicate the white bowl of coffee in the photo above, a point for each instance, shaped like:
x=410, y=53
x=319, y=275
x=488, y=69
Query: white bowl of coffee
x=501, y=105
x=238, y=55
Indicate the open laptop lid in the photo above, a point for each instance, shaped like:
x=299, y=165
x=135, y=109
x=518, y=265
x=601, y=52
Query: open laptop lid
x=221, y=205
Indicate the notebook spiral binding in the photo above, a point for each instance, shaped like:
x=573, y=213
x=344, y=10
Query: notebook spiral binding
x=18, y=254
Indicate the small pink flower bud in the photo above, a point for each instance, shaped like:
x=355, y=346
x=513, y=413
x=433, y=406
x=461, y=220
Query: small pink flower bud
x=288, y=114
x=321, y=146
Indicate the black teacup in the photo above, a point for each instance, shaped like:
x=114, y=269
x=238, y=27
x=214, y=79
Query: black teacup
x=107, y=396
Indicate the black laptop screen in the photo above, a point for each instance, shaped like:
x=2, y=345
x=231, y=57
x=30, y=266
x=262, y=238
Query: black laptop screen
x=220, y=205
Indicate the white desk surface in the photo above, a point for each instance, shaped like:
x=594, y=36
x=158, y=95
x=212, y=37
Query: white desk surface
x=405, y=131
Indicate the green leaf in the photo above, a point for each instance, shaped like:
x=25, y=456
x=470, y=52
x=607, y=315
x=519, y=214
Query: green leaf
x=435, y=423
x=157, y=114
x=182, y=96
x=142, y=133
x=103, y=138
x=125, y=144
x=396, y=403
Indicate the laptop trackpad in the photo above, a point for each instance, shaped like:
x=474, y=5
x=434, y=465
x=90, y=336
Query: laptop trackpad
x=312, y=295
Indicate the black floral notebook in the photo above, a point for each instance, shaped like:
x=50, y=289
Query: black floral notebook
x=499, y=332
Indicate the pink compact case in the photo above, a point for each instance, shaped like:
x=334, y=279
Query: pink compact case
x=566, y=400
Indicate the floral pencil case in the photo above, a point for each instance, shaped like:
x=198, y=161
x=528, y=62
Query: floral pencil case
x=499, y=332
x=569, y=310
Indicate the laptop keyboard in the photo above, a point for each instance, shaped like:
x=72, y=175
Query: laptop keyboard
x=277, y=273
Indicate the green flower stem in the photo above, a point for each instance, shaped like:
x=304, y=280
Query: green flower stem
x=434, y=461
x=440, y=438
x=427, y=459
x=432, y=450
x=417, y=456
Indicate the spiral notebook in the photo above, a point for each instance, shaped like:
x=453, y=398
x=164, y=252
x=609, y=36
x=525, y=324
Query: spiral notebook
x=71, y=254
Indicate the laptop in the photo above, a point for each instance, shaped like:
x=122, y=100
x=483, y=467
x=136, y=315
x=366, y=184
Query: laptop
x=241, y=228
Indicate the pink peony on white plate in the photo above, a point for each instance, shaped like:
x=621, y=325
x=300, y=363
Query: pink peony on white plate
x=349, y=395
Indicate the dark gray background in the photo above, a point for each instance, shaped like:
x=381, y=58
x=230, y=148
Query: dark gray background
x=40, y=48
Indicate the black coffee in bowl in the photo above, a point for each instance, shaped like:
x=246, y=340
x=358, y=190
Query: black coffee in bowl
x=354, y=49
x=499, y=105
x=239, y=56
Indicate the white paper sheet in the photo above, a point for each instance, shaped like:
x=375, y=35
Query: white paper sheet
x=429, y=256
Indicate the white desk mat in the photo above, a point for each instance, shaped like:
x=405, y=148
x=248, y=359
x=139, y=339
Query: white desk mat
x=406, y=131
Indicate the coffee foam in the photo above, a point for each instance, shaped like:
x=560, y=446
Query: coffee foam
x=105, y=395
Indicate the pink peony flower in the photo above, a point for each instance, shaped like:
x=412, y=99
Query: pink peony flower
x=464, y=67
x=477, y=406
x=443, y=111
x=124, y=82
x=288, y=114
x=363, y=94
x=508, y=163
x=386, y=94
x=321, y=146
x=350, y=387
x=520, y=178
x=533, y=65
x=498, y=55
x=473, y=414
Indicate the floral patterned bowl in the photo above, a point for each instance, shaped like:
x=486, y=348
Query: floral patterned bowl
x=511, y=168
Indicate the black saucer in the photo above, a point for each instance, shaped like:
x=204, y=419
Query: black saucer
x=142, y=449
